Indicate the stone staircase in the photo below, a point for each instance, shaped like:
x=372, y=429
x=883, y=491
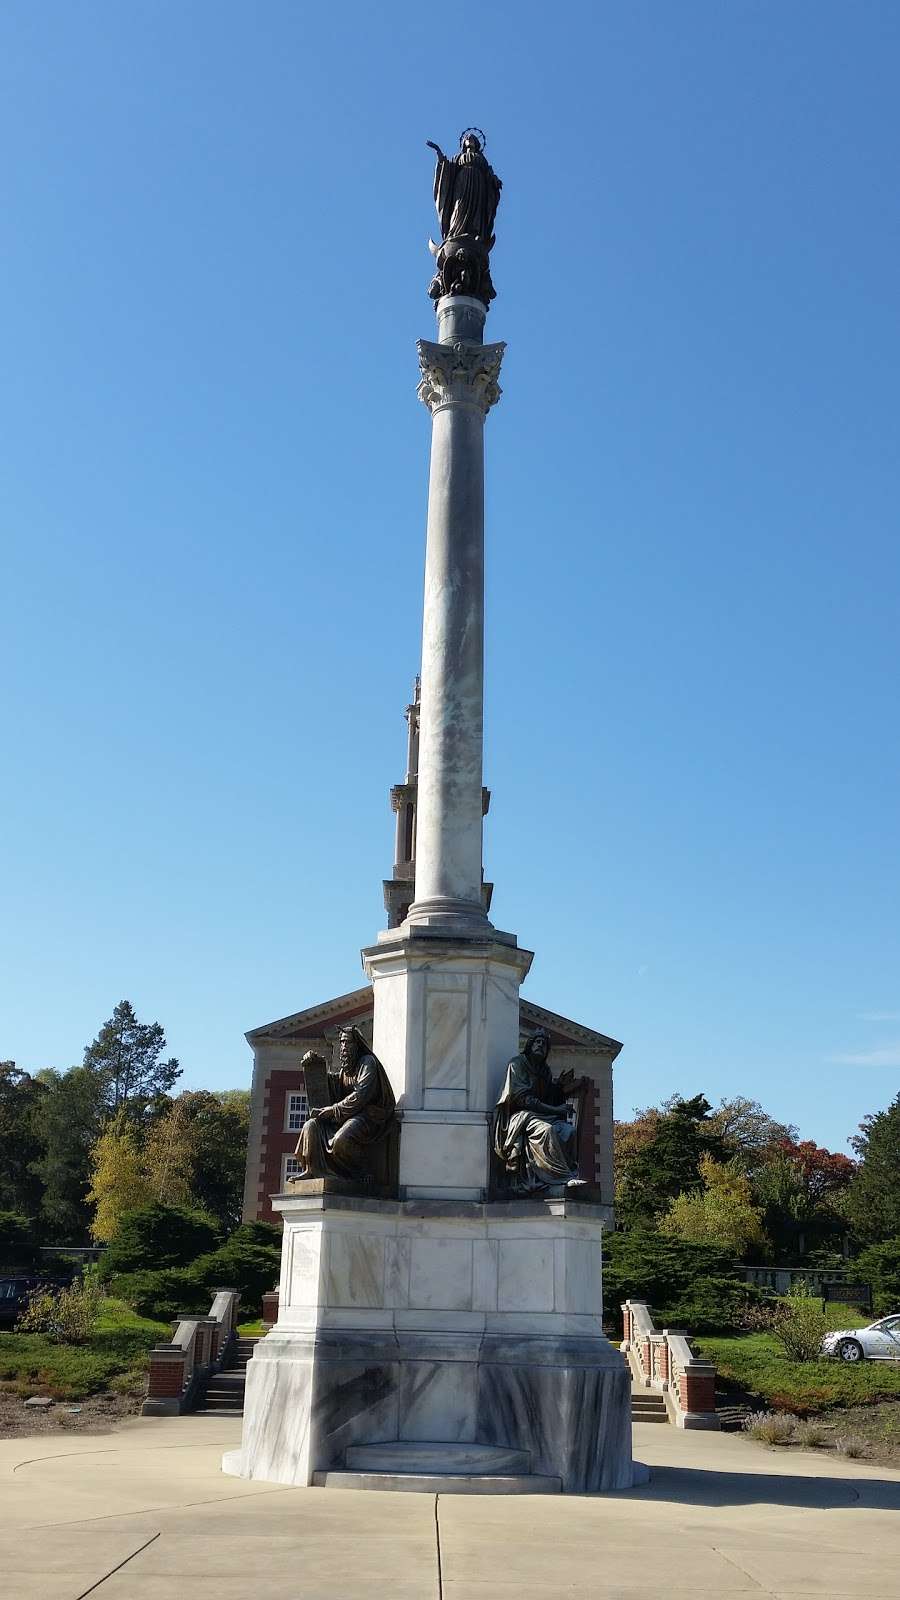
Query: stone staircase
x=437, y=1469
x=223, y=1394
x=647, y=1405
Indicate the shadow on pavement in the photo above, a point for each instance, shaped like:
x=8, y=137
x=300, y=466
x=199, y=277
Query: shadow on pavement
x=690, y=1486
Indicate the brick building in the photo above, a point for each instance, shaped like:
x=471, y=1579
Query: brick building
x=278, y=1101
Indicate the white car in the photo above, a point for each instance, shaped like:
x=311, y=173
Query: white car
x=879, y=1342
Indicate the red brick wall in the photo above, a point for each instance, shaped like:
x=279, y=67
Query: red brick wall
x=275, y=1142
x=587, y=1154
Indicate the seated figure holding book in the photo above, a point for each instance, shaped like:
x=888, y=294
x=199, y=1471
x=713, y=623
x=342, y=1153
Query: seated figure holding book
x=346, y=1134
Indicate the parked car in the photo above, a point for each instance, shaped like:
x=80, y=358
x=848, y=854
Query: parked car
x=15, y=1288
x=880, y=1341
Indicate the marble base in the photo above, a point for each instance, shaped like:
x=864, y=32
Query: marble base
x=438, y=1323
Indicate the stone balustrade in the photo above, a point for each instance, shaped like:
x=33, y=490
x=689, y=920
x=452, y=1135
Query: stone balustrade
x=197, y=1349
x=662, y=1359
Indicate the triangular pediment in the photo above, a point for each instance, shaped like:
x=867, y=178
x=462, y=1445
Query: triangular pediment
x=358, y=1007
x=564, y=1031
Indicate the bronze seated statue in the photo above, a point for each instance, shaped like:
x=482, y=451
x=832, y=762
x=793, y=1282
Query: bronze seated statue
x=534, y=1138
x=352, y=1132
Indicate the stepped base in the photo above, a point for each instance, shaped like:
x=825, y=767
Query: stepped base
x=417, y=1456
x=439, y=1483
x=420, y=1467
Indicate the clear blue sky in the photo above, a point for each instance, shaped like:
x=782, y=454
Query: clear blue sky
x=214, y=473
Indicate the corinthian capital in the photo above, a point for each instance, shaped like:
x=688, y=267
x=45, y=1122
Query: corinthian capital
x=459, y=374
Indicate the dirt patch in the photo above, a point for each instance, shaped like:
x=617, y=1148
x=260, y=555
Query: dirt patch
x=99, y=1413
x=878, y=1425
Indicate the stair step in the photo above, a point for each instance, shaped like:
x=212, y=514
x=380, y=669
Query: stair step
x=439, y=1483
x=442, y=1459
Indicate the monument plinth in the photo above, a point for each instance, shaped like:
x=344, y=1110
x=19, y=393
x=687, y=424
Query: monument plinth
x=450, y=1337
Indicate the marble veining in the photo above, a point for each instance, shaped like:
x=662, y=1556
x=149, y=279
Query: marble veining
x=438, y=1400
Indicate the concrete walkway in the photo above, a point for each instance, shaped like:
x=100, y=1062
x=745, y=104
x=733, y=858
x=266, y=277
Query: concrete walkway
x=145, y=1514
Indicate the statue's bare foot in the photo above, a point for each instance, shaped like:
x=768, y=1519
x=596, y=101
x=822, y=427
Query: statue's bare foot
x=577, y=1183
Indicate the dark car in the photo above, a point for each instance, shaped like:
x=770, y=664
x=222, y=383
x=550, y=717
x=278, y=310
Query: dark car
x=14, y=1291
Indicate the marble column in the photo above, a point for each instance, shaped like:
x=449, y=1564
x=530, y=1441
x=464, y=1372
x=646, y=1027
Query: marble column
x=459, y=385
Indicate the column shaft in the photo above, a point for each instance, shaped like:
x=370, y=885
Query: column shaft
x=448, y=863
x=459, y=384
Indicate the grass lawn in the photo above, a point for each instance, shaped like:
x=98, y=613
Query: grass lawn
x=115, y=1357
x=250, y=1329
x=755, y=1362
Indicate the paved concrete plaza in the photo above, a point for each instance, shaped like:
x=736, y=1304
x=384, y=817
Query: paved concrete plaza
x=145, y=1514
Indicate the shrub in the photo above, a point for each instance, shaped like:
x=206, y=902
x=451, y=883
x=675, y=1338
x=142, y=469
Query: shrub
x=801, y=1324
x=880, y=1266
x=686, y=1284
x=850, y=1444
x=66, y=1316
x=242, y=1263
x=264, y=1233
x=162, y=1295
x=770, y=1427
x=157, y=1236
x=812, y=1434
x=758, y=1316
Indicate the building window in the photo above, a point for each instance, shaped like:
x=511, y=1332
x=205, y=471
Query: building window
x=296, y=1112
x=290, y=1168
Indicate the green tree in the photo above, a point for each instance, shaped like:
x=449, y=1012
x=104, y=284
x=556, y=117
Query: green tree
x=873, y=1201
x=879, y=1265
x=17, y=1245
x=668, y=1163
x=20, y=1142
x=128, y=1056
x=722, y=1213
x=157, y=1236
x=195, y=1153
x=68, y=1118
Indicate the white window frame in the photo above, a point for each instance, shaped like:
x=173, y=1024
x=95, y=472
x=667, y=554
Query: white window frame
x=303, y=1112
x=288, y=1162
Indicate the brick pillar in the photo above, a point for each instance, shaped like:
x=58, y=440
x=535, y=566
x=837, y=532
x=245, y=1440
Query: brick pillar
x=697, y=1390
x=165, y=1385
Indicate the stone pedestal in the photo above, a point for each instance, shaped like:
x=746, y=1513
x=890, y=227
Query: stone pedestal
x=405, y=1323
x=446, y=1024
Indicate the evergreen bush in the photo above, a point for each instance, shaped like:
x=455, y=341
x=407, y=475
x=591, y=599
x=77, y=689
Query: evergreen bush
x=687, y=1285
x=156, y=1236
x=880, y=1266
x=163, y=1295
